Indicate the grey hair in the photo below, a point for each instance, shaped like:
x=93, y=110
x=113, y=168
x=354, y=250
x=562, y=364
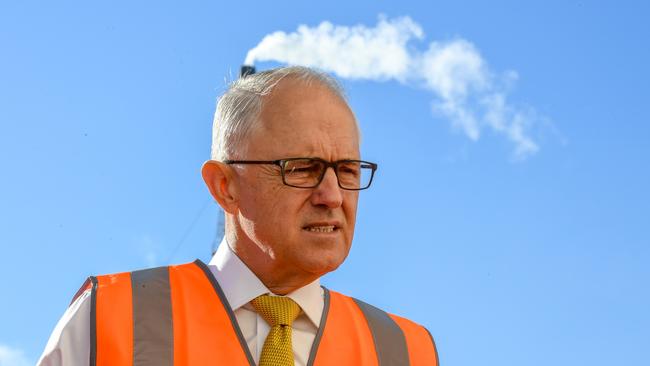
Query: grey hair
x=239, y=107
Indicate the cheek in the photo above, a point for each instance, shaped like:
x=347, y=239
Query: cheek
x=350, y=209
x=350, y=206
x=255, y=208
x=276, y=208
x=256, y=195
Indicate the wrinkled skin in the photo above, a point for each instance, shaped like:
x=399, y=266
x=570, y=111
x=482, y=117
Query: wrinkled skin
x=272, y=227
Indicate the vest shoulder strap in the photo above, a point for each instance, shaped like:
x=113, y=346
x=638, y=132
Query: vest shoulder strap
x=164, y=316
x=357, y=333
x=388, y=337
x=422, y=347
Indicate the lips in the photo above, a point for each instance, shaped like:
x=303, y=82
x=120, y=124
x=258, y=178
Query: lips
x=322, y=227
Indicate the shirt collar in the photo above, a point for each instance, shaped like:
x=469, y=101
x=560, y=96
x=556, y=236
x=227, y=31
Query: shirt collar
x=240, y=285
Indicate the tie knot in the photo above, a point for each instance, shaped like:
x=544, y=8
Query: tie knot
x=276, y=310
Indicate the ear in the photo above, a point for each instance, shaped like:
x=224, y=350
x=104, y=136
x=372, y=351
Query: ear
x=219, y=178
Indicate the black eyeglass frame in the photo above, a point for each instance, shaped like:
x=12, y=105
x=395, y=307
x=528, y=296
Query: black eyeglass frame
x=333, y=164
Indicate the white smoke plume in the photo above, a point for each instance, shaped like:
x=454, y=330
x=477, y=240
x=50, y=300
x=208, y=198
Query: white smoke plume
x=466, y=91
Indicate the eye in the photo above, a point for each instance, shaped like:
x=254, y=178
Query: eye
x=351, y=169
x=300, y=169
x=302, y=166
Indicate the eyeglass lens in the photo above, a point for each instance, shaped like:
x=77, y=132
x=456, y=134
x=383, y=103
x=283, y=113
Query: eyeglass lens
x=308, y=173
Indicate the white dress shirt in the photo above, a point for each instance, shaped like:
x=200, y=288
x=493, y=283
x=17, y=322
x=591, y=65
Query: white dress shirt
x=69, y=343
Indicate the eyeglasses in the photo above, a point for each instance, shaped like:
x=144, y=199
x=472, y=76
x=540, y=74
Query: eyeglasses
x=353, y=175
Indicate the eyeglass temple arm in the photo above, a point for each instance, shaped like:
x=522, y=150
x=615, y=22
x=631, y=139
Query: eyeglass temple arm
x=269, y=162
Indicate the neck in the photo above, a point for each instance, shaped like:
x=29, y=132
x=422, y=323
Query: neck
x=278, y=278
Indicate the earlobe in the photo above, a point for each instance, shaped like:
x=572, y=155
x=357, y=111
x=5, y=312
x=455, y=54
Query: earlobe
x=220, y=181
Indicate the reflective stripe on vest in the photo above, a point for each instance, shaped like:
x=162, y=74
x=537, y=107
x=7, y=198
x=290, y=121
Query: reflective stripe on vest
x=153, y=335
x=179, y=316
x=388, y=337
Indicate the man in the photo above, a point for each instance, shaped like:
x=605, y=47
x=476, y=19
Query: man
x=286, y=170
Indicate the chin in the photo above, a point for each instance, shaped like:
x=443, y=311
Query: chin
x=322, y=262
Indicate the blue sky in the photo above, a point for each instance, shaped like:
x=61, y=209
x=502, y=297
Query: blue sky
x=105, y=118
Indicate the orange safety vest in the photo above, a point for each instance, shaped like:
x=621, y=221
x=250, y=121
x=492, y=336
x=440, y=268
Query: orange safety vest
x=178, y=315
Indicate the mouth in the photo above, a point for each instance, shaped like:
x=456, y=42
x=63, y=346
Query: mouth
x=322, y=228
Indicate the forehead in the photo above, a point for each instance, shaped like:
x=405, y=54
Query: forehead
x=300, y=119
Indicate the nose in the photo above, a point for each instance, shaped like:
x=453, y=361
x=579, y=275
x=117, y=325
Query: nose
x=328, y=193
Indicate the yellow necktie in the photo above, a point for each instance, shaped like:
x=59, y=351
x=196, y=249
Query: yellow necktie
x=279, y=312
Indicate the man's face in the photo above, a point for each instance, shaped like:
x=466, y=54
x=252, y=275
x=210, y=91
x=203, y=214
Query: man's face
x=293, y=226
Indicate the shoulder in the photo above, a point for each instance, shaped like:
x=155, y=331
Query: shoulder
x=68, y=343
x=386, y=327
x=147, y=276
